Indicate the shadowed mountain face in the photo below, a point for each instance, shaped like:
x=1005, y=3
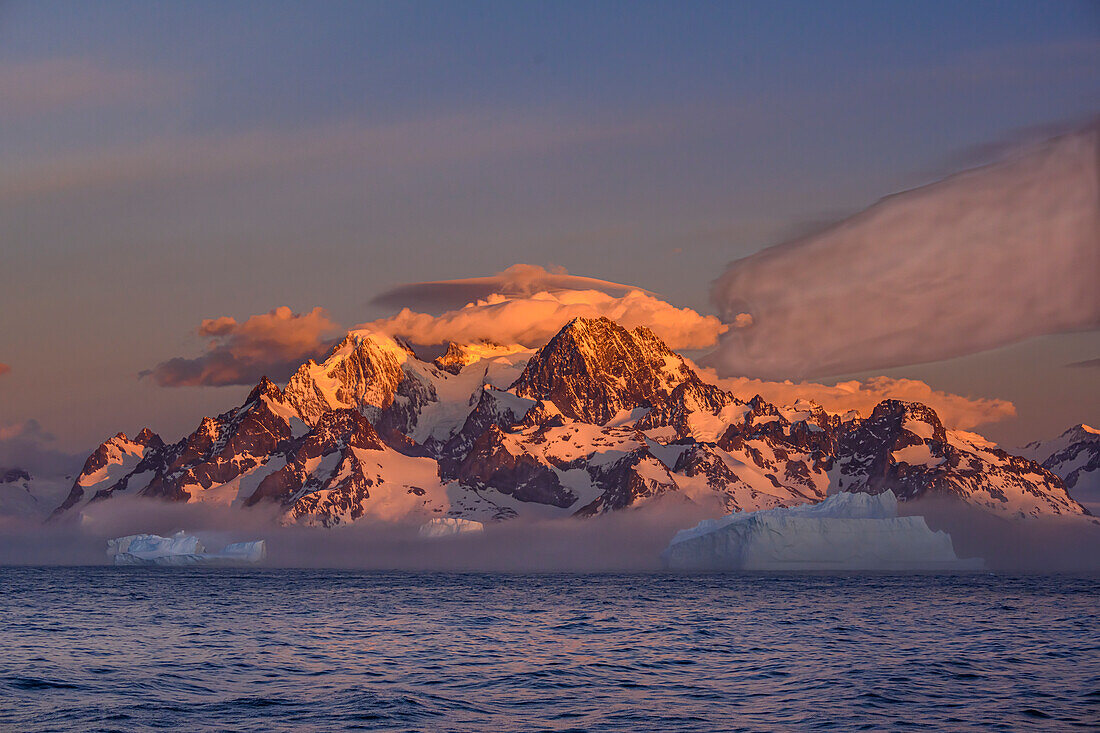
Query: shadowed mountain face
x=599, y=419
x=1075, y=457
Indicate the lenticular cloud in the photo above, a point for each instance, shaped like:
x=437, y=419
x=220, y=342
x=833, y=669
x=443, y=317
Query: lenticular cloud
x=518, y=281
x=979, y=260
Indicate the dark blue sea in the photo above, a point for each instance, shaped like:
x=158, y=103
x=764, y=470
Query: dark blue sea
x=133, y=649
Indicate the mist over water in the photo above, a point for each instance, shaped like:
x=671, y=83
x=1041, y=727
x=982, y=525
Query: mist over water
x=625, y=541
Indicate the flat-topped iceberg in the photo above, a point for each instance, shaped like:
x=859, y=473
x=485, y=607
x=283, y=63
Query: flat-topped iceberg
x=844, y=532
x=447, y=526
x=180, y=549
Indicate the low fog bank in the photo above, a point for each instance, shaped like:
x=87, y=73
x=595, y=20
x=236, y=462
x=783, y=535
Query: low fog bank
x=624, y=541
x=627, y=541
x=1051, y=544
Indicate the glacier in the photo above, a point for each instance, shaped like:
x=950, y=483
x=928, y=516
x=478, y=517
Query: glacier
x=180, y=549
x=846, y=531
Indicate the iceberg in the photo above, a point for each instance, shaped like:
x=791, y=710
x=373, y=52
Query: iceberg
x=448, y=526
x=180, y=549
x=846, y=531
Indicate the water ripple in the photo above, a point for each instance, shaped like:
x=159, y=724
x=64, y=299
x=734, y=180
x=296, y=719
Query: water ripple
x=244, y=650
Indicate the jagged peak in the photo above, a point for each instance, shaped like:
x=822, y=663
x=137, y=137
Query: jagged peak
x=582, y=329
x=460, y=355
x=590, y=337
x=264, y=388
x=593, y=368
x=362, y=341
x=1082, y=431
x=583, y=323
x=346, y=427
x=148, y=438
x=904, y=408
x=121, y=440
x=453, y=359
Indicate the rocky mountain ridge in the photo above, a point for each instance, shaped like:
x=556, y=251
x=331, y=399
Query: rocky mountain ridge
x=1075, y=456
x=599, y=419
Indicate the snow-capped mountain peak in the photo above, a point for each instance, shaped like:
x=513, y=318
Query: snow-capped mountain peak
x=1075, y=457
x=594, y=368
x=599, y=419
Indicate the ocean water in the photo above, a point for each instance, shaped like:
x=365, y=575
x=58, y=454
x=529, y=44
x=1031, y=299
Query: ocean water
x=258, y=650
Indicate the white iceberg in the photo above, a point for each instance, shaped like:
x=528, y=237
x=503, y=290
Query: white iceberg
x=844, y=532
x=180, y=549
x=448, y=526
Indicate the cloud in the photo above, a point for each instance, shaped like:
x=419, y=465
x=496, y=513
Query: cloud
x=26, y=445
x=43, y=87
x=393, y=147
x=4, y=369
x=272, y=344
x=979, y=260
x=1086, y=364
x=532, y=319
x=955, y=411
x=517, y=280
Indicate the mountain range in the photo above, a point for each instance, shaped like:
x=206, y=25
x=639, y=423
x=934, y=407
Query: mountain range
x=599, y=419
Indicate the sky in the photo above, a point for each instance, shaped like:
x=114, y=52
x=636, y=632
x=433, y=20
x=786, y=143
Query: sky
x=167, y=164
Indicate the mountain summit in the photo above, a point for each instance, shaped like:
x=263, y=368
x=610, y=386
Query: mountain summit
x=599, y=419
x=593, y=369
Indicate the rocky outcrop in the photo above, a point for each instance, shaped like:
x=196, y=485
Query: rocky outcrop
x=110, y=465
x=499, y=463
x=594, y=368
x=308, y=483
x=367, y=372
x=13, y=475
x=225, y=447
x=903, y=447
x=636, y=477
x=1074, y=456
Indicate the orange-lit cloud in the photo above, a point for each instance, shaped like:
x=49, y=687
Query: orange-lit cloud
x=271, y=344
x=532, y=319
x=4, y=369
x=979, y=260
x=956, y=411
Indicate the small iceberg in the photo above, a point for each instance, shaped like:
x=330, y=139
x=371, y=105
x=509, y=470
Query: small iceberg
x=844, y=532
x=448, y=526
x=180, y=549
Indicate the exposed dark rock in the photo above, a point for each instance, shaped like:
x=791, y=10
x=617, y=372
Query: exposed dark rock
x=594, y=368
x=493, y=463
